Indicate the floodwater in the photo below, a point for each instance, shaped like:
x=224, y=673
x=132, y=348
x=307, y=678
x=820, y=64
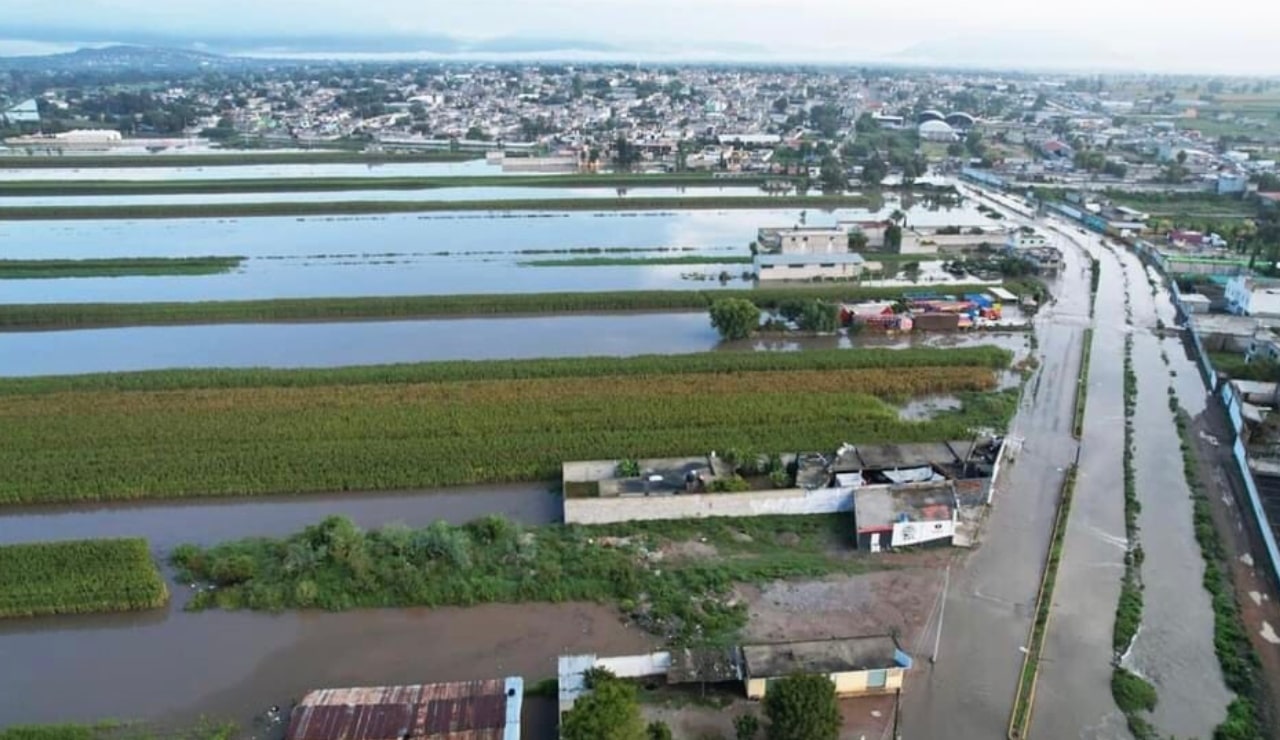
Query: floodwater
x=162, y=171
x=206, y=521
x=173, y=666
x=423, y=194
x=1174, y=647
x=407, y=254
x=168, y=664
x=292, y=345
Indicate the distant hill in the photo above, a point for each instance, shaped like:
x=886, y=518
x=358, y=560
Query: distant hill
x=127, y=57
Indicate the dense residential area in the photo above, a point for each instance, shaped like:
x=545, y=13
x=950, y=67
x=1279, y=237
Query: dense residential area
x=455, y=398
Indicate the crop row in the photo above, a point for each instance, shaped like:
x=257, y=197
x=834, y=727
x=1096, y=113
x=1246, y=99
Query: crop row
x=70, y=315
x=264, y=440
x=78, y=577
x=327, y=208
x=116, y=267
x=571, y=367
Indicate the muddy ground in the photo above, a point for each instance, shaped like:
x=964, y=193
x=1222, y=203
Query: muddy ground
x=902, y=601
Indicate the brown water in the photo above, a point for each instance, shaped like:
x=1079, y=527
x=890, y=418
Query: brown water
x=175, y=666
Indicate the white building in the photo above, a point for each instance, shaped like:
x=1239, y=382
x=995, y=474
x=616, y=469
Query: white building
x=803, y=240
x=1251, y=296
x=937, y=131
x=814, y=266
x=1019, y=239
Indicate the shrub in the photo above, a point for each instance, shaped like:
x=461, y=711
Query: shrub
x=802, y=707
x=735, y=318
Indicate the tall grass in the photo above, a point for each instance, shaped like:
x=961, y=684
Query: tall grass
x=71, y=315
x=334, y=565
x=77, y=577
x=253, y=439
x=116, y=267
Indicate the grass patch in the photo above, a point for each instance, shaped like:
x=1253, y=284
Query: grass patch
x=116, y=267
x=78, y=577
x=1020, y=722
x=316, y=184
x=352, y=207
x=1236, y=656
x=70, y=315
x=1234, y=365
x=1082, y=385
x=183, y=433
x=637, y=261
x=334, y=565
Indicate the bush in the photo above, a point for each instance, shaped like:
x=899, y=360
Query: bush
x=609, y=712
x=1132, y=692
x=658, y=731
x=732, y=484
x=802, y=707
x=232, y=570
x=819, y=316
x=746, y=727
x=628, y=468
x=735, y=318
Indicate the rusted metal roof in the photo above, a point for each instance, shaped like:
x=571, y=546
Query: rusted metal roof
x=469, y=710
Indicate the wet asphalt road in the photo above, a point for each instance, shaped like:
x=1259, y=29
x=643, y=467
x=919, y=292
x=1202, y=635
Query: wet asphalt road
x=968, y=691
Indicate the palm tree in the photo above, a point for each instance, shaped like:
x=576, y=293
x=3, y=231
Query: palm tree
x=898, y=217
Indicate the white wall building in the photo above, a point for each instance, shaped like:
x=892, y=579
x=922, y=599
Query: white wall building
x=1250, y=296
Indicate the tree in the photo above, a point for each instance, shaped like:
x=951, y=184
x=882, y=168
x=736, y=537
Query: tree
x=658, y=731
x=893, y=238
x=832, y=175
x=1182, y=156
x=746, y=727
x=819, y=316
x=873, y=171
x=475, y=133
x=955, y=149
x=802, y=707
x=609, y=712
x=625, y=154
x=857, y=240
x=735, y=318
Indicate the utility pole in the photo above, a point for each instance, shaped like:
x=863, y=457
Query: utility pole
x=942, y=608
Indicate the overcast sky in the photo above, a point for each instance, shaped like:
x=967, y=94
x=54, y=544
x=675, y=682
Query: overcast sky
x=1173, y=35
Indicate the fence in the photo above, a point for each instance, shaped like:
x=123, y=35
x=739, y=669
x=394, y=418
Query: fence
x=698, y=505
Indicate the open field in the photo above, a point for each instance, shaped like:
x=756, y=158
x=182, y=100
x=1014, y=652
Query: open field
x=673, y=578
x=115, y=730
x=174, y=434
x=316, y=184
x=337, y=208
x=77, y=577
x=119, y=267
x=78, y=315
x=227, y=159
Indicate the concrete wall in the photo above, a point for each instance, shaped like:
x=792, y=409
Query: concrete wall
x=699, y=505
x=849, y=683
x=815, y=271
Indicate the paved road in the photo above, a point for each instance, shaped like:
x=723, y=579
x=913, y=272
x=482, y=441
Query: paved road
x=968, y=692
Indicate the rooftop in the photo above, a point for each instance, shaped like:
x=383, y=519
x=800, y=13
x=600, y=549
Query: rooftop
x=823, y=656
x=877, y=508
x=468, y=710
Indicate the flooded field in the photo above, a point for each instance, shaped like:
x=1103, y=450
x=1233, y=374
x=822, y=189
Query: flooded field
x=381, y=342
x=162, y=171
x=405, y=254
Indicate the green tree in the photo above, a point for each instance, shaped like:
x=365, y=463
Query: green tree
x=735, y=318
x=609, y=712
x=873, y=171
x=893, y=238
x=832, y=175
x=658, y=731
x=819, y=316
x=802, y=707
x=746, y=727
x=857, y=240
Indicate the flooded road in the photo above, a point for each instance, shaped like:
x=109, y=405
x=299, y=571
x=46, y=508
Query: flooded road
x=296, y=345
x=1174, y=647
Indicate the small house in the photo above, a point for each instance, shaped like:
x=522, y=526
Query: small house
x=858, y=666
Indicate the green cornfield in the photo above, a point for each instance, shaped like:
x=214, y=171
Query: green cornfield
x=160, y=435
x=79, y=577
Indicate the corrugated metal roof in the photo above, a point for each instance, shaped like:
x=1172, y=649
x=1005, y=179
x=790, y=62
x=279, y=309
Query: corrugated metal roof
x=469, y=710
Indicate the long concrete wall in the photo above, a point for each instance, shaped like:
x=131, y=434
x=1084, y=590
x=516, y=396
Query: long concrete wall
x=699, y=505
